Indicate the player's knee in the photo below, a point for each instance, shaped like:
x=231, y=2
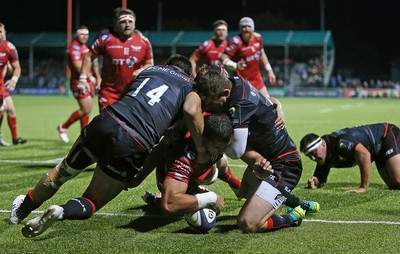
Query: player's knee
x=64, y=173
x=246, y=226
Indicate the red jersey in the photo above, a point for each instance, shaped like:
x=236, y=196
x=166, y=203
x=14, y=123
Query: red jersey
x=180, y=164
x=208, y=52
x=120, y=60
x=251, y=53
x=76, y=52
x=8, y=53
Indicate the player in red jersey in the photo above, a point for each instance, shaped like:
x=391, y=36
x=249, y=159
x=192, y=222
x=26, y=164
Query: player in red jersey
x=179, y=175
x=75, y=53
x=246, y=51
x=8, y=54
x=210, y=50
x=125, y=55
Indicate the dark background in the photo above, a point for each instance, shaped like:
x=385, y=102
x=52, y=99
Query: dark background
x=364, y=32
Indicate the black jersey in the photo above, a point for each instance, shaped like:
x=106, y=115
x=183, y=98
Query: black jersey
x=250, y=109
x=341, y=145
x=154, y=102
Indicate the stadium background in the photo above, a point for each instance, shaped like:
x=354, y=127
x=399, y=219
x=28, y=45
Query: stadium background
x=361, y=30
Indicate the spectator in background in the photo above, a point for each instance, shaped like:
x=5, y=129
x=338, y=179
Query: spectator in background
x=75, y=54
x=245, y=53
x=8, y=57
x=210, y=50
x=125, y=55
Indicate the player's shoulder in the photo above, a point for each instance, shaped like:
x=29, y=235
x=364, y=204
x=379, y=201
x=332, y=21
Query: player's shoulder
x=236, y=39
x=257, y=35
x=10, y=45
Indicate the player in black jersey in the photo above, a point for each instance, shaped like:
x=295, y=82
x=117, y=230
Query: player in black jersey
x=274, y=164
x=359, y=145
x=119, y=140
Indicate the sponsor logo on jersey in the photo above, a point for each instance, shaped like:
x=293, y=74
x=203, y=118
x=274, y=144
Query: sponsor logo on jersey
x=2, y=54
x=136, y=48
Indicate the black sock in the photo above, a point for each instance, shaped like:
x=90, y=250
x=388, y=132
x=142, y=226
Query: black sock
x=277, y=221
x=78, y=209
x=27, y=206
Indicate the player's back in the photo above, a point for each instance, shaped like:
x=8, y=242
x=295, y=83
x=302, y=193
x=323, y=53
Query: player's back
x=154, y=101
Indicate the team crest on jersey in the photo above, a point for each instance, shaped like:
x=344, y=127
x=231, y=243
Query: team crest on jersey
x=104, y=37
x=136, y=48
x=76, y=47
x=232, y=111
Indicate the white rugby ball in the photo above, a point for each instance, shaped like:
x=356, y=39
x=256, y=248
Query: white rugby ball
x=203, y=220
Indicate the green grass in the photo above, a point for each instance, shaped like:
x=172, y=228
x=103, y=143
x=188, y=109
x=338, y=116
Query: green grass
x=123, y=226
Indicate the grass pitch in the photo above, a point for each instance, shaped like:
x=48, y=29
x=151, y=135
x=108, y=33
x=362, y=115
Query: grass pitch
x=346, y=223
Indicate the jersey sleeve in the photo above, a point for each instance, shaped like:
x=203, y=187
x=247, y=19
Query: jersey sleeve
x=322, y=172
x=13, y=56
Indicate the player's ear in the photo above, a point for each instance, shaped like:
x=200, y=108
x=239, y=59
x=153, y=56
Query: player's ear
x=227, y=93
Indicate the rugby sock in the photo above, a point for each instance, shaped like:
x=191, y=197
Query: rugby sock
x=27, y=206
x=78, y=209
x=84, y=121
x=75, y=116
x=276, y=221
x=12, y=122
x=229, y=178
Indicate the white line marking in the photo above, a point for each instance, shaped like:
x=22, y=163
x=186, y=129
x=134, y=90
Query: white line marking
x=306, y=220
x=52, y=161
x=326, y=110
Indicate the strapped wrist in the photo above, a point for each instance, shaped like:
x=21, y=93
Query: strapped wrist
x=14, y=79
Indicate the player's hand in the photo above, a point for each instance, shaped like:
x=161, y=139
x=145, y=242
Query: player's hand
x=10, y=85
x=137, y=72
x=280, y=120
x=241, y=64
x=271, y=77
x=92, y=80
x=83, y=87
x=313, y=183
x=262, y=169
x=359, y=190
x=219, y=205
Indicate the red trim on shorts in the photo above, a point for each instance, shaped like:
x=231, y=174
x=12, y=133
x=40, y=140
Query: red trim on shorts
x=284, y=154
x=117, y=120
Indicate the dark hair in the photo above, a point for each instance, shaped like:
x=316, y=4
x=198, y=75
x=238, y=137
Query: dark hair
x=219, y=22
x=181, y=62
x=218, y=127
x=306, y=140
x=212, y=80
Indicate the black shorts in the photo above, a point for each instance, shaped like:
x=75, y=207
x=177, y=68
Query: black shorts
x=116, y=147
x=390, y=146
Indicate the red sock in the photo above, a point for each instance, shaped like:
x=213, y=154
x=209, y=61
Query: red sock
x=84, y=121
x=72, y=119
x=12, y=122
x=230, y=179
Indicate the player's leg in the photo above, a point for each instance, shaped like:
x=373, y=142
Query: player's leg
x=257, y=214
x=226, y=175
x=12, y=121
x=85, y=105
x=102, y=189
x=75, y=162
x=390, y=173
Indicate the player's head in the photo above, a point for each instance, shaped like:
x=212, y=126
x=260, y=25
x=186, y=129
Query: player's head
x=220, y=29
x=124, y=22
x=314, y=147
x=217, y=133
x=2, y=32
x=82, y=34
x=180, y=61
x=213, y=87
x=246, y=28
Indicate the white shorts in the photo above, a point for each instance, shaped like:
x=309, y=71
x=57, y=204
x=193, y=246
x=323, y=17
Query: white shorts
x=270, y=194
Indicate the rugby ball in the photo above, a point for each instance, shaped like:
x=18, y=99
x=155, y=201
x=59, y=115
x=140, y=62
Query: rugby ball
x=202, y=221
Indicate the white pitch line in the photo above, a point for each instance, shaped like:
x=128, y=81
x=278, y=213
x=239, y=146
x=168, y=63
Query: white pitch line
x=305, y=220
x=52, y=161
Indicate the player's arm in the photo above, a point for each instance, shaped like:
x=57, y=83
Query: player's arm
x=146, y=63
x=96, y=78
x=195, y=123
x=261, y=167
x=363, y=159
x=194, y=58
x=239, y=142
x=175, y=200
x=231, y=65
x=85, y=70
x=266, y=64
x=280, y=120
x=319, y=178
x=16, y=73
